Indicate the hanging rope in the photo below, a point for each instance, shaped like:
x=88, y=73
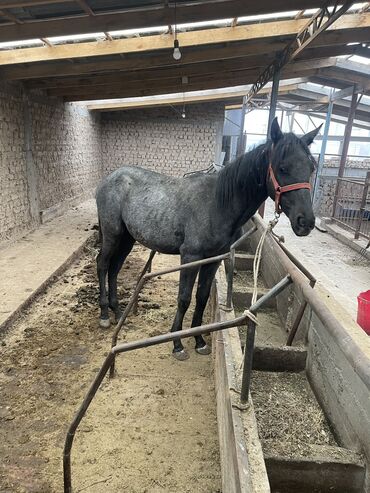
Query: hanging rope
x=257, y=262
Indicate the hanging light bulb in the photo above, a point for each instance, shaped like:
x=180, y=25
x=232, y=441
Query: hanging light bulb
x=183, y=114
x=176, y=50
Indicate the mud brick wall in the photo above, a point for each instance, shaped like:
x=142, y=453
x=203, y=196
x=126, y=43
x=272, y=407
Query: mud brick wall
x=50, y=152
x=160, y=139
x=14, y=201
x=53, y=154
x=67, y=151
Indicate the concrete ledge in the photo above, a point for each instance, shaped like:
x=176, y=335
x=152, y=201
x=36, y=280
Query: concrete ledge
x=345, y=237
x=243, y=299
x=286, y=358
x=318, y=468
x=43, y=286
x=59, y=209
x=242, y=464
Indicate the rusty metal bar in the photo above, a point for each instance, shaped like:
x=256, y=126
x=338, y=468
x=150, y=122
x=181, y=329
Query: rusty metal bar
x=142, y=280
x=122, y=348
x=230, y=274
x=296, y=262
x=144, y=343
x=350, y=349
x=362, y=205
x=249, y=343
x=67, y=477
x=298, y=319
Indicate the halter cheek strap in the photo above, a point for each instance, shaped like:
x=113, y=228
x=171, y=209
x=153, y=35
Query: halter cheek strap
x=280, y=190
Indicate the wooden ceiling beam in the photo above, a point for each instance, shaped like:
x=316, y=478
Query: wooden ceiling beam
x=348, y=27
x=168, y=87
x=346, y=76
x=188, y=98
x=250, y=55
x=139, y=17
x=196, y=70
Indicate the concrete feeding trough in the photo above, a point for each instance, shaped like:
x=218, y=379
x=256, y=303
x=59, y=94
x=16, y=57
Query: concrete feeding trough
x=307, y=427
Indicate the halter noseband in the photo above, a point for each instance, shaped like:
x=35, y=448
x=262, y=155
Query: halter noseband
x=280, y=190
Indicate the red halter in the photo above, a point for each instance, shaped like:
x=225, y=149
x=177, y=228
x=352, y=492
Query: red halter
x=280, y=190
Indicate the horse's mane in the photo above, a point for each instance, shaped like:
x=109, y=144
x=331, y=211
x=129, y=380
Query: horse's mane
x=250, y=168
x=249, y=171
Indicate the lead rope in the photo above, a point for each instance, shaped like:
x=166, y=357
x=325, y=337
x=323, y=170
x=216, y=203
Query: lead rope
x=257, y=262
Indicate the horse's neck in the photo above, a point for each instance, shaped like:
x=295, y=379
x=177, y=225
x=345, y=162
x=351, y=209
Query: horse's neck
x=249, y=197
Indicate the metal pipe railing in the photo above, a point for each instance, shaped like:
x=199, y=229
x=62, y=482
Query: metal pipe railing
x=251, y=329
x=140, y=284
x=230, y=274
x=153, y=341
x=144, y=277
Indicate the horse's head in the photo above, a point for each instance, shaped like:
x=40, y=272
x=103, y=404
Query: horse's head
x=291, y=166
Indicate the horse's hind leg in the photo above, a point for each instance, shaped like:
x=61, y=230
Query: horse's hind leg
x=124, y=248
x=206, y=275
x=187, y=279
x=110, y=243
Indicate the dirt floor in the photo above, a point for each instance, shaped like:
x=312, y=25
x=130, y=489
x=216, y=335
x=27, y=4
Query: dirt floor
x=152, y=429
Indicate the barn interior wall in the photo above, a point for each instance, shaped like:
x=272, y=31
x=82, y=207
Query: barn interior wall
x=50, y=153
x=53, y=154
x=160, y=139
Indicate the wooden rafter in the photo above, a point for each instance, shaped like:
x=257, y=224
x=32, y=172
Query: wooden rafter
x=10, y=17
x=147, y=16
x=178, y=99
x=348, y=27
x=255, y=56
x=84, y=5
x=134, y=89
x=194, y=70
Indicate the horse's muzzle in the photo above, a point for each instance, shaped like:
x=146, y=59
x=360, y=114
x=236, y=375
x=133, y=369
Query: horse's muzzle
x=302, y=224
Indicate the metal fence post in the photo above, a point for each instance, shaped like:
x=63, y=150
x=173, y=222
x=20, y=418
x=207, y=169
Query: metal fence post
x=362, y=205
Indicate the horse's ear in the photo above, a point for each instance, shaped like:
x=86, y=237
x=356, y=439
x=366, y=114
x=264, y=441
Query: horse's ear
x=276, y=133
x=309, y=138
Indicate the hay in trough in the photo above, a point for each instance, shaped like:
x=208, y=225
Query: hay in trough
x=287, y=411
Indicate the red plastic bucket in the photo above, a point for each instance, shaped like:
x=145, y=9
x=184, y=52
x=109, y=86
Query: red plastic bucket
x=363, y=311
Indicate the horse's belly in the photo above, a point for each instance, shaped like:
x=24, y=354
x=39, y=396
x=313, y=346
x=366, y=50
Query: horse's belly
x=159, y=237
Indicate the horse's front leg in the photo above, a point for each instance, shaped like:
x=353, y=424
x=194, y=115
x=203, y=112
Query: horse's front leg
x=206, y=276
x=187, y=279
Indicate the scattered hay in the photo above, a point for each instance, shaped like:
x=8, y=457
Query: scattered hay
x=287, y=411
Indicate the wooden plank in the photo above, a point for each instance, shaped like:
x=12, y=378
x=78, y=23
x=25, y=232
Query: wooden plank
x=242, y=463
x=151, y=103
x=267, y=31
x=190, y=70
x=210, y=68
x=147, y=16
x=101, y=92
x=251, y=54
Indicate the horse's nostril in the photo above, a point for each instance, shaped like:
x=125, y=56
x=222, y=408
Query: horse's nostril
x=301, y=221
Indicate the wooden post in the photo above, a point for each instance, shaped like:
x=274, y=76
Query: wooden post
x=346, y=141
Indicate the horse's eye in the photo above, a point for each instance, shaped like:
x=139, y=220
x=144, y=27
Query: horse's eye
x=283, y=170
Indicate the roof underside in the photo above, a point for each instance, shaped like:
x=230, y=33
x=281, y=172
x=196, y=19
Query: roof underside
x=111, y=62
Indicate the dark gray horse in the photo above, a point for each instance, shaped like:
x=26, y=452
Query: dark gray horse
x=197, y=217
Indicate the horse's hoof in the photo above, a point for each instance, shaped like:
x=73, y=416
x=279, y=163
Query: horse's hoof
x=203, y=350
x=104, y=323
x=180, y=355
